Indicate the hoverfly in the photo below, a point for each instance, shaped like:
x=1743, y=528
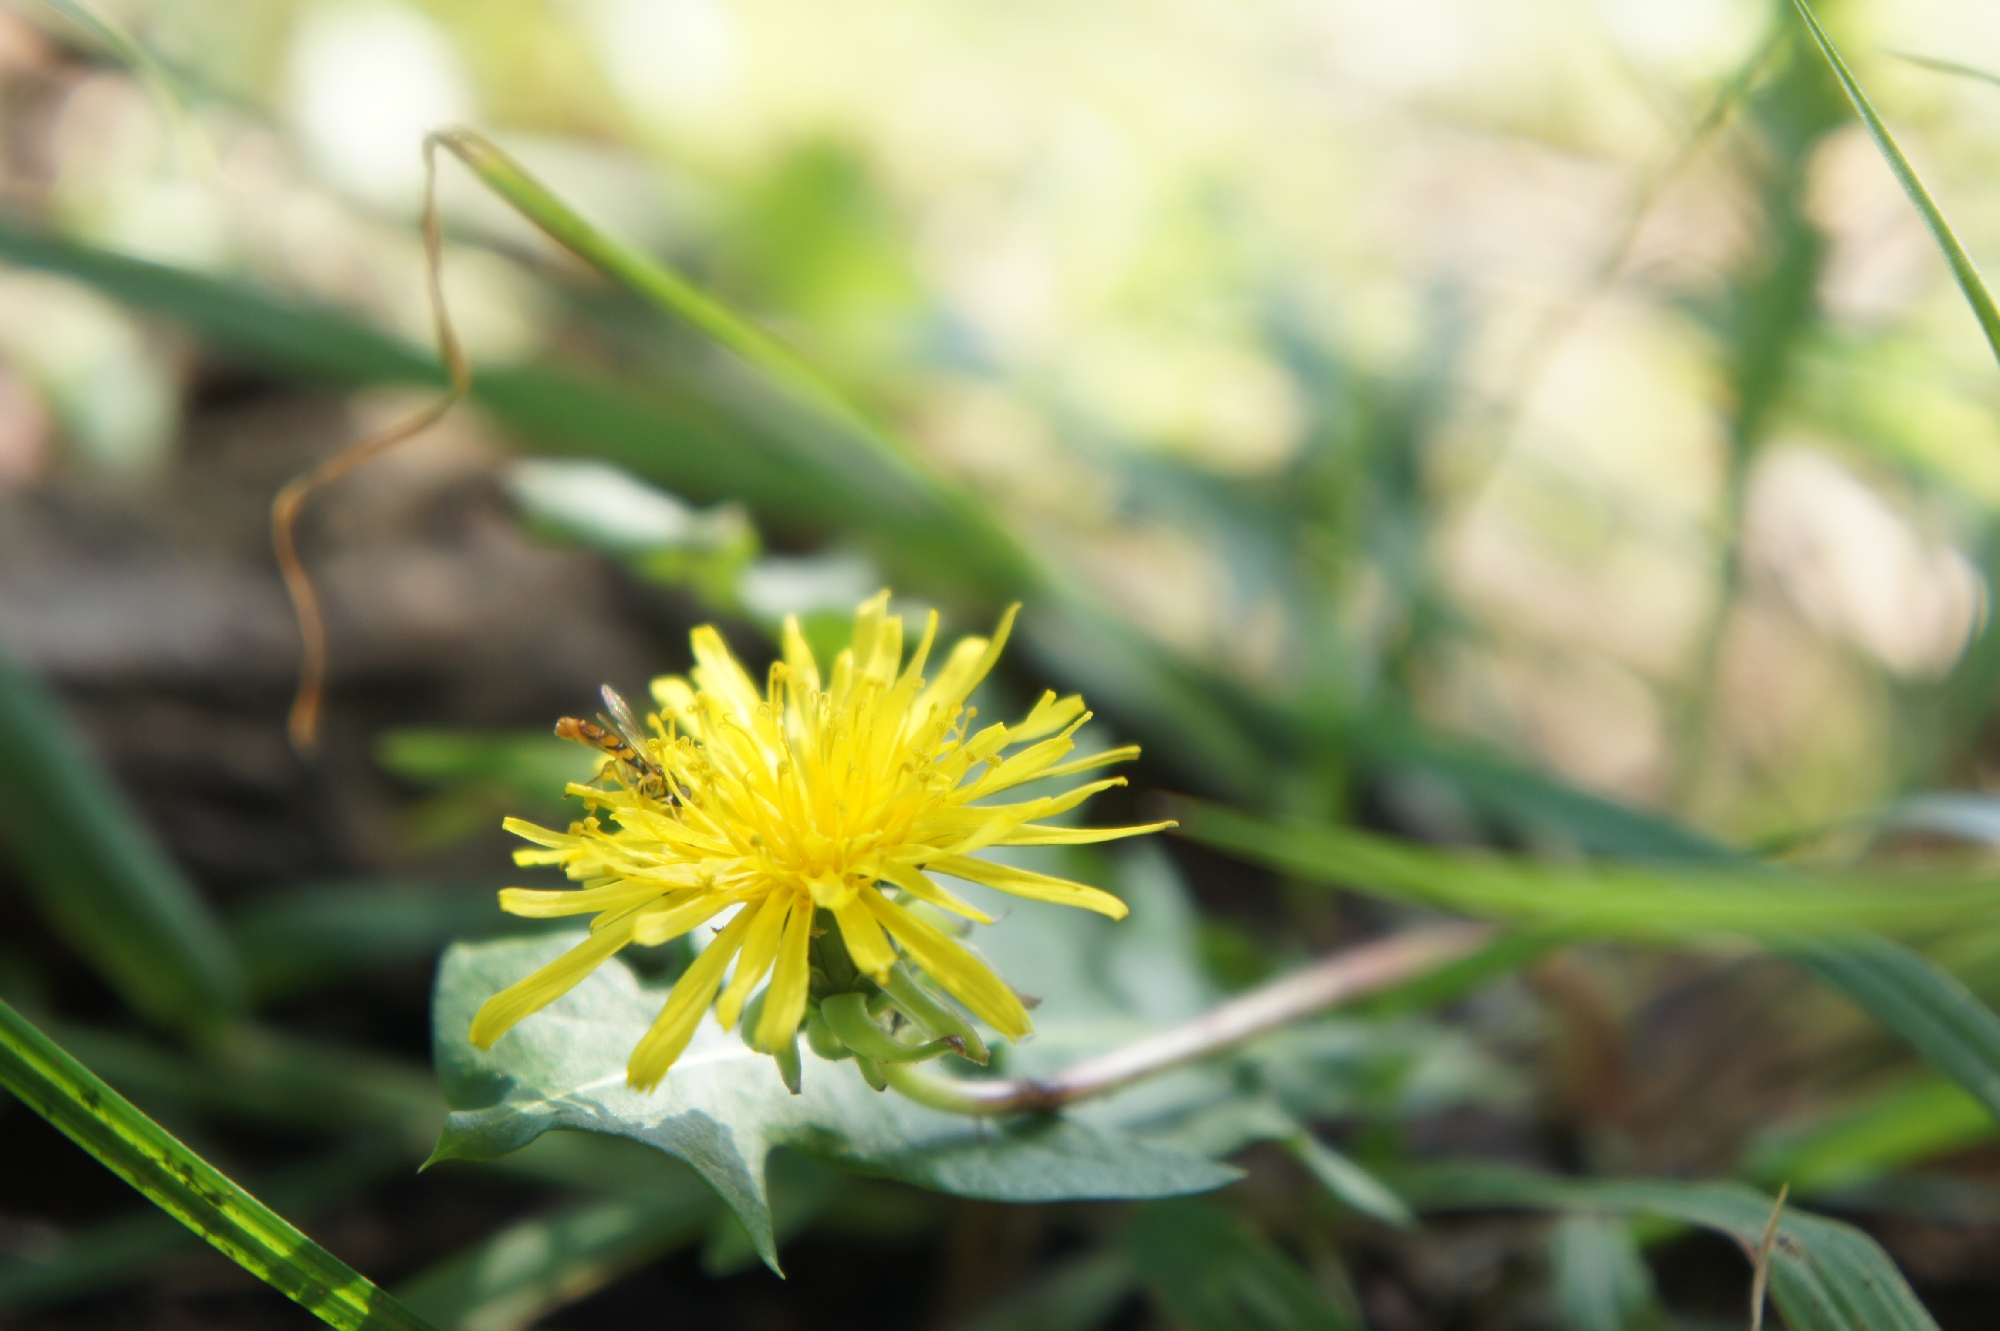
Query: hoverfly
x=622, y=738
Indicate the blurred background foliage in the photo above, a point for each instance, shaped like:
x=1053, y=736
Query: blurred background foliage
x=1472, y=422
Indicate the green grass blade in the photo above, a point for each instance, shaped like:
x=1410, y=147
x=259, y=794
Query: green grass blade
x=659, y=284
x=306, y=937
x=1817, y=929
x=115, y=1252
x=1076, y=1294
x=165, y=89
x=930, y=536
x=1644, y=901
x=1911, y=1123
x=1348, y=1181
x=1601, y=1282
x=534, y=1266
x=1963, y=270
x=1825, y=1276
x=1919, y=1000
x=98, y=876
x=1210, y=1271
x=981, y=541
x=187, y=1187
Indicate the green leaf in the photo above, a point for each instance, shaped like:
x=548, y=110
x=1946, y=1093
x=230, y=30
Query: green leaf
x=112, y=1253
x=703, y=438
x=530, y=1268
x=187, y=1187
x=1601, y=1281
x=1349, y=1181
x=1074, y=1295
x=723, y=1108
x=1652, y=901
x=1913, y=1122
x=1914, y=997
x=1211, y=1272
x=304, y=937
x=1526, y=799
x=1963, y=270
x=1825, y=1275
x=97, y=874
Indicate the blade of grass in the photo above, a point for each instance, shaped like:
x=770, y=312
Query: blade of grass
x=1909, y=994
x=931, y=536
x=1825, y=1276
x=1601, y=1282
x=98, y=876
x=116, y=1252
x=910, y=480
x=1963, y=270
x=310, y=936
x=187, y=1187
x=1911, y=1123
x=289, y=1082
x=158, y=81
x=1210, y=1271
x=1618, y=900
x=530, y=1268
x=1076, y=1294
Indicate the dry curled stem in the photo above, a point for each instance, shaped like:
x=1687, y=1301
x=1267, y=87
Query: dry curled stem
x=306, y=703
x=1337, y=979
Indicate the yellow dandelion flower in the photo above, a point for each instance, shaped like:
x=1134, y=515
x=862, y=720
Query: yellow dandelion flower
x=821, y=808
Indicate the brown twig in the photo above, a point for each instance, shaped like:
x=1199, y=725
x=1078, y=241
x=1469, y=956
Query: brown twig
x=1325, y=984
x=1760, y=1279
x=304, y=721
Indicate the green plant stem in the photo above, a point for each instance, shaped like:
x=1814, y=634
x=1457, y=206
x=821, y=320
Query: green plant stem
x=1367, y=969
x=98, y=875
x=1963, y=270
x=144, y=1154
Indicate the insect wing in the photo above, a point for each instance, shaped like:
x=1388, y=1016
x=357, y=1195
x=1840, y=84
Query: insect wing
x=628, y=724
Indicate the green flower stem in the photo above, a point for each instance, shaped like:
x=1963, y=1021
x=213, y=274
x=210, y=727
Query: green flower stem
x=847, y=1017
x=144, y=1154
x=1347, y=975
x=927, y=1012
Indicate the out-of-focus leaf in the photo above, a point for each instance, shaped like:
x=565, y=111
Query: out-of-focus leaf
x=1922, y=1002
x=1601, y=1282
x=709, y=442
x=482, y=777
x=1915, y=998
x=187, y=1187
x=1913, y=1122
x=97, y=874
x=723, y=1108
x=1074, y=1295
x=1626, y=900
x=1349, y=1181
x=661, y=538
x=801, y=1191
x=1211, y=1272
x=167, y=91
x=1963, y=270
x=1960, y=814
x=109, y=1254
x=1825, y=1276
x=532, y=1267
x=531, y=766
x=296, y=940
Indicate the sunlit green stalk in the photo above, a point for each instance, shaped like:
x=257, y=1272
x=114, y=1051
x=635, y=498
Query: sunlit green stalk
x=187, y=1187
x=98, y=876
x=1963, y=270
x=665, y=287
